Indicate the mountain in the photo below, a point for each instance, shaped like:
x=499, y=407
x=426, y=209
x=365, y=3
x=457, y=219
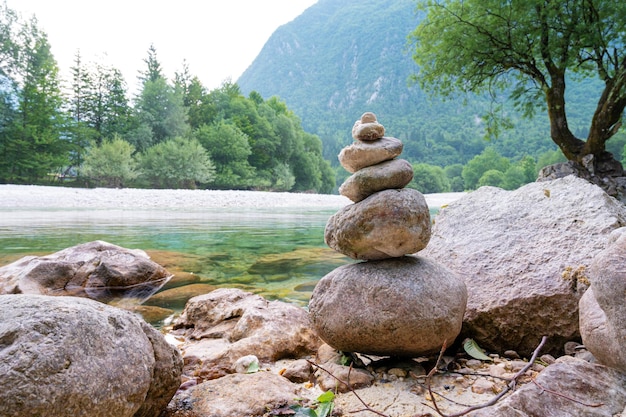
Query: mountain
x=341, y=58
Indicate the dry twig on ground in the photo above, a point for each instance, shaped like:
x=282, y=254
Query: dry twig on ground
x=510, y=386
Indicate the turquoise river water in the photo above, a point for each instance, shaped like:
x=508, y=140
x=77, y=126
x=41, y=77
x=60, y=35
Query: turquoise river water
x=279, y=252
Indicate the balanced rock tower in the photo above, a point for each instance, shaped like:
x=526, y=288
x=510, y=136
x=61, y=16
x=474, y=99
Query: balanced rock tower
x=391, y=303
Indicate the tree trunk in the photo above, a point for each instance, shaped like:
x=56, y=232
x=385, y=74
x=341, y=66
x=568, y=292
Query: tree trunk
x=588, y=159
x=570, y=145
x=605, y=123
x=590, y=154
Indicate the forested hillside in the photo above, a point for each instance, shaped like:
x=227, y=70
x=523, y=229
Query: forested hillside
x=341, y=58
x=171, y=134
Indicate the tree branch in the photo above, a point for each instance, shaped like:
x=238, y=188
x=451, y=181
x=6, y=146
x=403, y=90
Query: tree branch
x=509, y=387
x=347, y=384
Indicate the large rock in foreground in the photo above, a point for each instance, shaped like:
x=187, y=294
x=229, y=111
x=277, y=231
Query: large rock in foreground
x=221, y=327
x=524, y=256
x=387, y=224
x=570, y=387
x=97, y=270
x=602, y=308
x=67, y=356
x=395, y=307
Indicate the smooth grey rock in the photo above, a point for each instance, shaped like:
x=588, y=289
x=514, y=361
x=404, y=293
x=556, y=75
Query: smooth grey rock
x=227, y=324
x=576, y=388
x=363, y=154
x=398, y=307
x=602, y=307
x=387, y=224
x=524, y=256
x=393, y=174
x=248, y=395
x=96, y=270
x=68, y=356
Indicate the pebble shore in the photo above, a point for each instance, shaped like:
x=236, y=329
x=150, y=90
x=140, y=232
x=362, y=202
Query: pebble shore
x=46, y=197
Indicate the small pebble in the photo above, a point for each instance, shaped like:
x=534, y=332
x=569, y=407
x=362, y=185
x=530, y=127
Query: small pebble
x=570, y=347
x=482, y=386
x=547, y=358
x=585, y=355
x=497, y=370
x=474, y=364
x=398, y=372
x=511, y=354
x=515, y=366
x=368, y=117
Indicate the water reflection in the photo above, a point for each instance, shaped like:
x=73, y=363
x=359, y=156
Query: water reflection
x=279, y=252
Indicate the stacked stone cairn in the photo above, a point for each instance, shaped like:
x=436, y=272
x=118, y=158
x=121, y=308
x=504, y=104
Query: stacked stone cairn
x=391, y=303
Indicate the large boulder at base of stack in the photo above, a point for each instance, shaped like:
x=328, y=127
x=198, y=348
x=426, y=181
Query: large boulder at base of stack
x=387, y=224
x=603, y=306
x=97, y=270
x=69, y=356
x=524, y=256
x=408, y=306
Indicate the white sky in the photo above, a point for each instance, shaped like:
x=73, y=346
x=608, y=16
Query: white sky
x=219, y=39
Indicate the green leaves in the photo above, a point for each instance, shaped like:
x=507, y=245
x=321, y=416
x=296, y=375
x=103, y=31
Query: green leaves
x=472, y=349
x=323, y=406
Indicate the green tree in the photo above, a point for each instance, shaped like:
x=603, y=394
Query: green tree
x=283, y=180
x=159, y=107
x=489, y=159
x=530, y=48
x=513, y=178
x=200, y=107
x=229, y=150
x=549, y=158
x=454, y=173
x=110, y=110
x=111, y=164
x=177, y=163
x=429, y=179
x=492, y=177
x=32, y=144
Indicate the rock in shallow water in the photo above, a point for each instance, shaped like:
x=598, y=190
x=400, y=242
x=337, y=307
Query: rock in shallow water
x=98, y=270
x=403, y=307
x=387, y=224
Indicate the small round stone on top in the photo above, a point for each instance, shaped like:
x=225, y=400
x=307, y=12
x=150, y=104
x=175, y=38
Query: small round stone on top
x=367, y=128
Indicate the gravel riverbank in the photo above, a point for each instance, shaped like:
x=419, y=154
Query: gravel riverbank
x=46, y=197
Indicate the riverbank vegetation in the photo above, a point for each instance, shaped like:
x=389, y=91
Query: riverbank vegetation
x=281, y=126
x=172, y=133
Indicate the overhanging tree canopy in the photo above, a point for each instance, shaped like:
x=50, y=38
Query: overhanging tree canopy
x=530, y=48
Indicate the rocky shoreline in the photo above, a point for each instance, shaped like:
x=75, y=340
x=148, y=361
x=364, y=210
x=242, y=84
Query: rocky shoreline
x=48, y=197
x=527, y=256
